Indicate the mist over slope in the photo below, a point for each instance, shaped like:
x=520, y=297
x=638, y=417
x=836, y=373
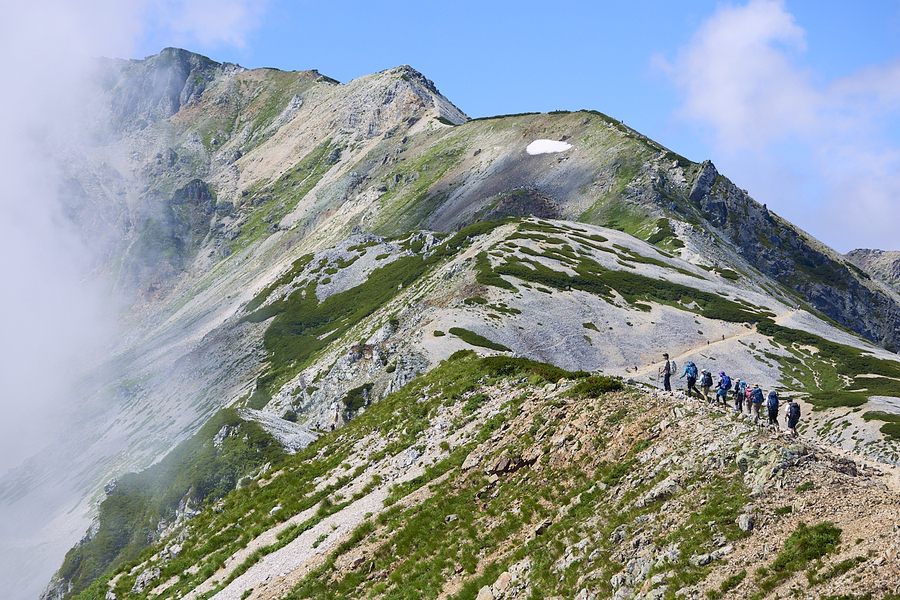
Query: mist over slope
x=282, y=242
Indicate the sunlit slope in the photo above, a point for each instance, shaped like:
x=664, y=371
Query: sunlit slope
x=504, y=478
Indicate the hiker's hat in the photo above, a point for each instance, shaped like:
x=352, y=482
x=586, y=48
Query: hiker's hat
x=755, y=385
x=722, y=373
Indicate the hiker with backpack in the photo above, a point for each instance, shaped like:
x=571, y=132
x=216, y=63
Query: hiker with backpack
x=740, y=391
x=690, y=370
x=706, y=383
x=792, y=414
x=772, y=406
x=723, y=388
x=666, y=371
x=756, y=400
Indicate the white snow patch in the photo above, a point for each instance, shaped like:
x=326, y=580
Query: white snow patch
x=546, y=147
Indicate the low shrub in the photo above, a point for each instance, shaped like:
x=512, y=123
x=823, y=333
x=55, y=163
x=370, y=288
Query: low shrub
x=474, y=339
x=595, y=386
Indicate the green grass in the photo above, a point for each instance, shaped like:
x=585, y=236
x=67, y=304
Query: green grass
x=594, y=387
x=474, y=339
x=836, y=570
x=891, y=427
x=195, y=470
x=507, y=366
x=803, y=546
x=823, y=375
x=283, y=196
x=591, y=277
x=729, y=584
x=301, y=326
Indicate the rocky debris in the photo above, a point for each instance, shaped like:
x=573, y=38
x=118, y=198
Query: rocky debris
x=291, y=436
x=511, y=584
x=145, y=578
x=226, y=432
x=671, y=460
x=91, y=532
x=880, y=264
x=170, y=552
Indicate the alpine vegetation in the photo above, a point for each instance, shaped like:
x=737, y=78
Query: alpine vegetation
x=374, y=348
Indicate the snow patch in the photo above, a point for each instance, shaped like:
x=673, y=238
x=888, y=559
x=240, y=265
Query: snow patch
x=546, y=147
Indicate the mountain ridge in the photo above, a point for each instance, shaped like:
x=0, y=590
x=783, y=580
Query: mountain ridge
x=215, y=208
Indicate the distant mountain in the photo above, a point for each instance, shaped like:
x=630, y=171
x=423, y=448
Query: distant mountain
x=880, y=264
x=289, y=251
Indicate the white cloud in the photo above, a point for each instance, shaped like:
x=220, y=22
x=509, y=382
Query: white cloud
x=207, y=22
x=53, y=316
x=744, y=80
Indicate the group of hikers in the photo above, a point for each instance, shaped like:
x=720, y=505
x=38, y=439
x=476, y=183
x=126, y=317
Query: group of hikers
x=743, y=394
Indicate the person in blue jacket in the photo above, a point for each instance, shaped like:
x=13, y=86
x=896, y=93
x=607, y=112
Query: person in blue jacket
x=690, y=370
x=723, y=387
x=756, y=400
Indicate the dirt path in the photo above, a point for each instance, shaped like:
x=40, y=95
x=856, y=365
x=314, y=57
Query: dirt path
x=642, y=374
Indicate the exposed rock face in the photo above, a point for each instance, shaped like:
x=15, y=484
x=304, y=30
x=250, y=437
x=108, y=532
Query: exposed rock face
x=880, y=264
x=204, y=183
x=778, y=249
x=56, y=589
x=159, y=86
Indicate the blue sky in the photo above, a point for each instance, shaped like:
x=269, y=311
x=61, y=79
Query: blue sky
x=795, y=101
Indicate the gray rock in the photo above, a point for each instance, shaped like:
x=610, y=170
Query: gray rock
x=745, y=521
x=618, y=534
x=698, y=560
x=542, y=527
x=144, y=580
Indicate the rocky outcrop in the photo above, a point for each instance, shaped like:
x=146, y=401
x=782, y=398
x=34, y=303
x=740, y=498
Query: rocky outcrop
x=880, y=264
x=781, y=251
x=149, y=90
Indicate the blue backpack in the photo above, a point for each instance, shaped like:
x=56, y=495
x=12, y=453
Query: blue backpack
x=773, y=400
x=691, y=369
x=756, y=396
x=726, y=382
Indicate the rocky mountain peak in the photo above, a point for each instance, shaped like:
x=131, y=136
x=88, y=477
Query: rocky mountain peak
x=305, y=248
x=145, y=91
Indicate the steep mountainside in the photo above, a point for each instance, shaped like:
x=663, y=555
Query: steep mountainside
x=880, y=264
x=296, y=249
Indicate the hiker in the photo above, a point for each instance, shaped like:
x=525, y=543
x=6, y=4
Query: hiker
x=756, y=400
x=690, y=369
x=723, y=387
x=792, y=414
x=772, y=405
x=747, y=403
x=740, y=391
x=666, y=372
x=705, y=383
